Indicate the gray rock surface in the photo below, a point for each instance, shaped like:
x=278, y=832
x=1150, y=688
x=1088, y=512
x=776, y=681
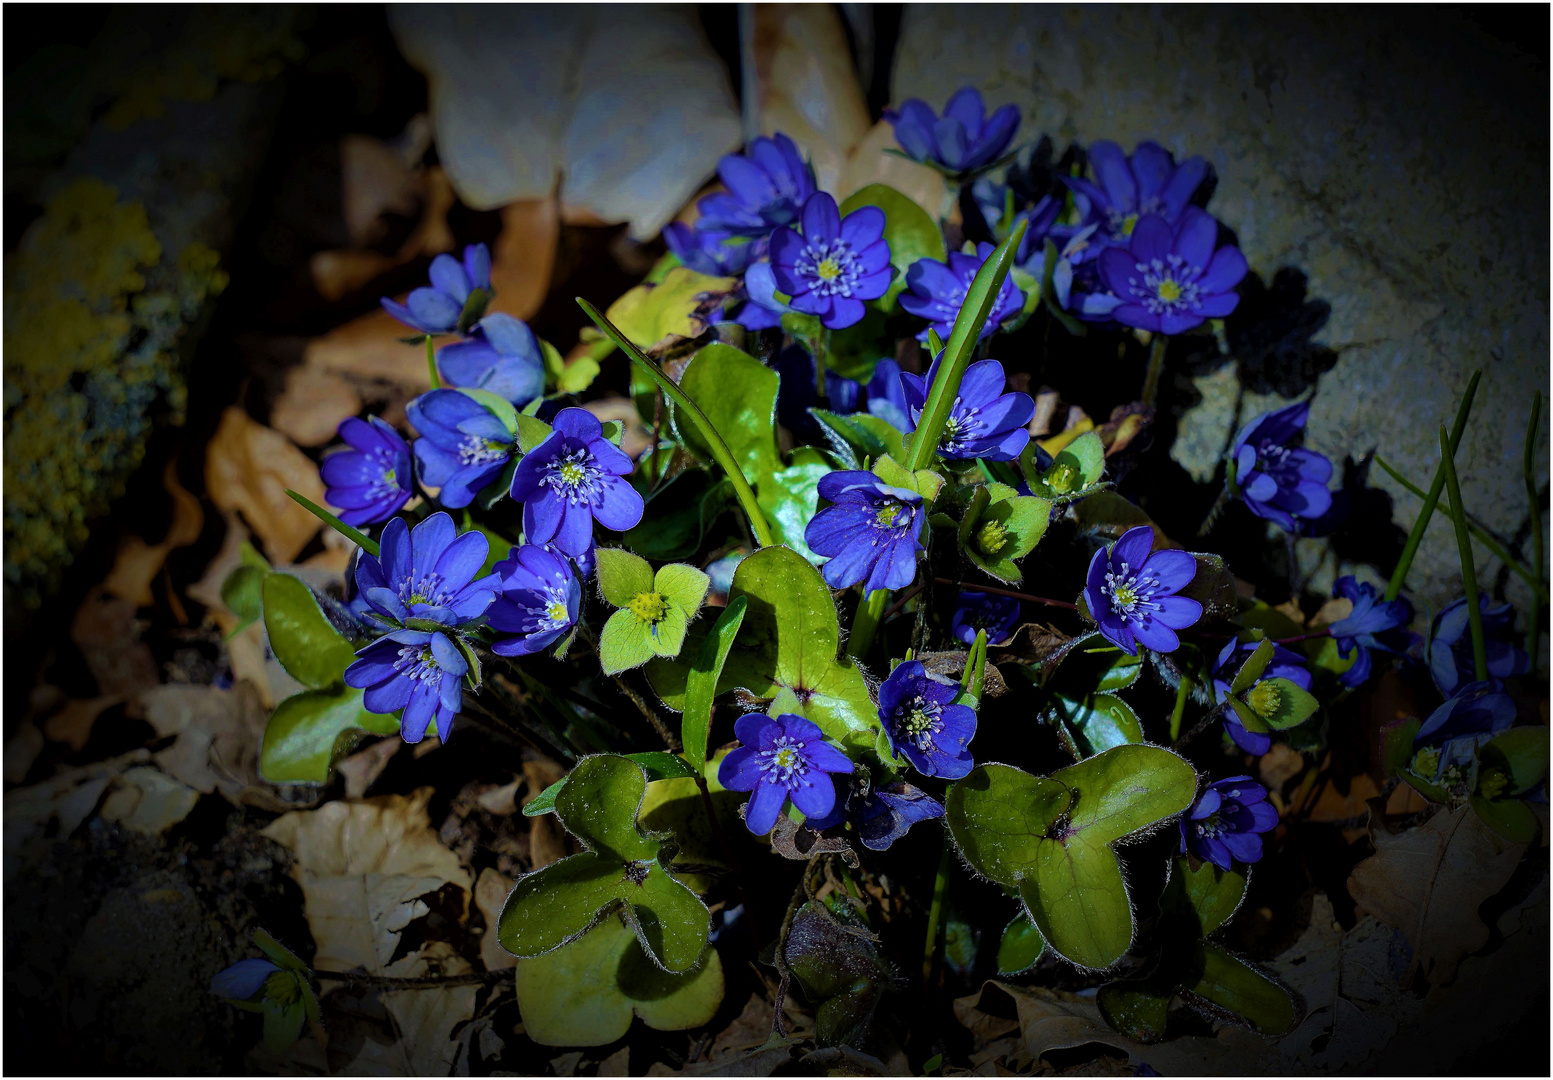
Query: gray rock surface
x=1400, y=159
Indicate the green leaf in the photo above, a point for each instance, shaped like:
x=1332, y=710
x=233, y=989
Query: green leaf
x=620, y=870
x=1021, y=945
x=910, y=230
x=1248, y=717
x=564, y=378
x=701, y=680
x=657, y=764
x=649, y=313
x=1100, y=721
x=1001, y=526
x=862, y=435
x=1252, y=669
x=495, y=404
x=277, y=952
x=627, y=642
x=1230, y=984
x=683, y=586
x=1076, y=468
x=738, y=395
x=1521, y=754
x=1396, y=745
x=1136, y=1008
x=790, y=498
x=1205, y=898
x=678, y=515
x=310, y=731
x=1051, y=839
x=242, y=593
x=531, y=432
x=623, y=576
x=586, y=993
x=667, y=635
x=789, y=640
x=282, y=1024
x=1281, y=703
x=301, y=635
x=837, y=964
x=1510, y=818
x=1090, y=664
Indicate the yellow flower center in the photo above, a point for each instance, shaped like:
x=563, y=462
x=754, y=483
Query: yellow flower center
x=1492, y=783
x=785, y=757
x=649, y=606
x=1063, y=478
x=1128, y=224
x=1124, y=596
x=1426, y=762
x=557, y=612
x=1264, y=698
x=1169, y=289
x=828, y=269
x=572, y=473
x=991, y=538
x=887, y=514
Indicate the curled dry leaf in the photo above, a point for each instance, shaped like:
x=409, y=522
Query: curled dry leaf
x=218, y=733
x=311, y=405
x=491, y=891
x=1429, y=881
x=248, y=468
x=147, y=800
x=362, y=768
x=363, y=868
x=108, y=634
x=68, y=797
x=137, y=562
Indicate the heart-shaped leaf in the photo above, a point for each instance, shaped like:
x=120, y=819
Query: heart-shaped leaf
x=790, y=497
x=738, y=394
x=586, y=992
x=301, y=635
x=658, y=765
x=310, y=731
x=1230, y=984
x=789, y=640
x=620, y=870
x=1098, y=722
x=1051, y=839
x=910, y=231
x=1204, y=898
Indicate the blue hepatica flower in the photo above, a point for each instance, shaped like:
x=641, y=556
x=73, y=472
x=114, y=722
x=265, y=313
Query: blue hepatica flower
x=762, y=310
x=960, y=142
x=937, y=291
x=881, y=815
x=998, y=615
x=1126, y=190
x=463, y=445
x=709, y=250
x=1170, y=280
x=780, y=759
x=373, y=479
x=1450, y=646
x=984, y=422
x=1131, y=593
x=418, y=671
x=1276, y=480
x=767, y=187
x=439, y=308
x=922, y=724
x=1226, y=821
x=869, y=532
x=836, y=264
x=1374, y=623
x=427, y=573
x=501, y=355
x=244, y=980
x=995, y=202
x=573, y=478
x=1454, y=731
x=539, y=601
x=882, y=396
x=1285, y=664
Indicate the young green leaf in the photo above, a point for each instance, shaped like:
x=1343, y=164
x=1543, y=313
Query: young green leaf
x=657, y=764
x=1252, y=669
x=301, y=635
x=623, y=576
x=310, y=731
x=1021, y=945
x=1000, y=526
x=701, y=679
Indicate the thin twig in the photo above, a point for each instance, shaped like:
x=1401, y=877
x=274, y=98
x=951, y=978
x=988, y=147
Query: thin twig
x=905, y=596
x=424, y=982
x=1008, y=592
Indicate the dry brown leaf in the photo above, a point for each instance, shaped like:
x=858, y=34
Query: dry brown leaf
x=248, y=468
x=523, y=257
x=312, y=404
x=207, y=590
x=147, y=800
x=1334, y=610
x=362, y=768
x=426, y=1019
x=68, y=797
x=546, y=842
x=363, y=867
x=617, y=1064
x=137, y=562
x=1279, y=765
x=108, y=634
x=375, y=179
x=336, y=274
x=501, y=800
x=369, y=347
x=72, y=725
x=1429, y=881
x=490, y=895
x=218, y=733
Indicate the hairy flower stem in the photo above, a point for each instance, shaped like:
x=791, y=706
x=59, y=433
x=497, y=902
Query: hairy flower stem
x=865, y=622
x=901, y=602
x=1469, y=577
x=1529, y=471
x=1201, y=726
x=931, y=951
x=431, y=364
x=1414, y=538
x=1156, y=368
x=1183, y=691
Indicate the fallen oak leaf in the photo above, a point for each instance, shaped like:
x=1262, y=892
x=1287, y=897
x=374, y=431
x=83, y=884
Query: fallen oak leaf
x=248, y=468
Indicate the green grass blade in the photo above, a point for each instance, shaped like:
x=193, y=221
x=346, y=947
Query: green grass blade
x=1414, y=538
x=977, y=307
x=1469, y=578
x=360, y=539
x=697, y=418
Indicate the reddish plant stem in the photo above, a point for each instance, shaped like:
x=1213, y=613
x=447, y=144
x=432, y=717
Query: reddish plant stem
x=900, y=603
x=1008, y=592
